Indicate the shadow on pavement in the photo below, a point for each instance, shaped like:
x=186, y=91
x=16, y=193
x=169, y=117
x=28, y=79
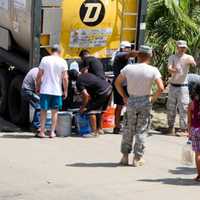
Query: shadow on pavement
x=18, y=136
x=93, y=165
x=173, y=181
x=183, y=170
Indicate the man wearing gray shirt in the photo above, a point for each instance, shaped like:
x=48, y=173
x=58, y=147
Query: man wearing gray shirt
x=178, y=95
x=28, y=93
x=140, y=78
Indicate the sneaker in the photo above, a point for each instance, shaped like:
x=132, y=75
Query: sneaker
x=101, y=132
x=116, y=130
x=89, y=135
x=170, y=131
x=138, y=161
x=124, y=160
x=182, y=134
x=40, y=135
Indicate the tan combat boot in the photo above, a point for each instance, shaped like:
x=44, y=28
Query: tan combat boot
x=138, y=161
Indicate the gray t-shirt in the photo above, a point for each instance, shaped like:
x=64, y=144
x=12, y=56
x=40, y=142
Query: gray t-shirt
x=140, y=78
x=181, y=64
x=29, y=80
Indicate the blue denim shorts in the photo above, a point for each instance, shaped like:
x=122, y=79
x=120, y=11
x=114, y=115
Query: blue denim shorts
x=50, y=102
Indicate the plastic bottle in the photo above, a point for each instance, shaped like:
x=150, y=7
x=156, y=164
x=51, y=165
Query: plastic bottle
x=187, y=153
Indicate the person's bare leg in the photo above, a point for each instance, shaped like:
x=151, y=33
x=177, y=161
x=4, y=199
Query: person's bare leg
x=197, y=158
x=99, y=119
x=43, y=114
x=93, y=123
x=118, y=111
x=54, y=118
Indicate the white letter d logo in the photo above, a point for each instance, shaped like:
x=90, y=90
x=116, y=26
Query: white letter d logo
x=90, y=8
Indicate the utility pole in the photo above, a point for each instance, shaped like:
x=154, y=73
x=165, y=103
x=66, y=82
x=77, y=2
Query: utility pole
x=141, y=26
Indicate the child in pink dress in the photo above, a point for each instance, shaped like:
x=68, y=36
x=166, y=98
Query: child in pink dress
x=194, y=125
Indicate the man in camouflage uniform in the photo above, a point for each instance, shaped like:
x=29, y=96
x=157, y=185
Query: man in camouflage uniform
x=139, y=79
x=178, y=95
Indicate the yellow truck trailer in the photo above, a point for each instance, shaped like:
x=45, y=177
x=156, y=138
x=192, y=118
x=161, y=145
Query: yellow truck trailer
x=29, y=28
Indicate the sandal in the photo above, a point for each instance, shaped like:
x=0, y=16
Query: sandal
x=41, y=135
x=197, y=178
x=52, y=135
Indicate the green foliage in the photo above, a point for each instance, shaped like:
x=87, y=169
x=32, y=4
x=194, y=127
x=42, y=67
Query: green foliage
x=168, y=21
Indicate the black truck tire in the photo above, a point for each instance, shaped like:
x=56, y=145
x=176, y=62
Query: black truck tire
x=3, y=91
x=18, y=108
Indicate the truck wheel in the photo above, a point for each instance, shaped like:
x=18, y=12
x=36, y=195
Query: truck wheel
x=18, y=108
x=3, y=90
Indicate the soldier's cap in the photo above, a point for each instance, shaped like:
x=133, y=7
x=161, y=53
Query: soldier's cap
x=146, y=49
x=125, y=44
x=182, y=44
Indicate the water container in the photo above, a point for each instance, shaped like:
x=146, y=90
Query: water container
x=48, y=121
x=64, y=124
x=109, y=118
x=187, y=154
x=82, y=124
x=48, y=118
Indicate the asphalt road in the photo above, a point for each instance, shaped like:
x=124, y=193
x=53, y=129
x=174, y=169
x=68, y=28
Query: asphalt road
x=74, y=168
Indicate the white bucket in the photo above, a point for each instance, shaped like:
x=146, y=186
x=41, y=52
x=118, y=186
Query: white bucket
x=64, y=124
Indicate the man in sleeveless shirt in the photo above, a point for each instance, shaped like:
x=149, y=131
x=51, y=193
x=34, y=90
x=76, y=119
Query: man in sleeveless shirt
x=178, y=96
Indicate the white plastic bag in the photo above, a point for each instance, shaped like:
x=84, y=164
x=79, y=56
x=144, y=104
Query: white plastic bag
x=187, y=154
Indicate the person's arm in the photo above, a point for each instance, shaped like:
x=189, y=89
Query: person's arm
x=160, y=88
x=193, y=62
x=189, y=118
x=126, y=55
x=65, y=83
x=38, y=80
x=85, y=99
x=119, y=87
x=171, y=69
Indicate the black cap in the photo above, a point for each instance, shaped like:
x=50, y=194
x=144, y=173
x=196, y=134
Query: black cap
x=83, y=53
x=73, y=74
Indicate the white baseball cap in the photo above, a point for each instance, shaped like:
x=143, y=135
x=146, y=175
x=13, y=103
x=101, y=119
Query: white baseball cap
x=181, y=43
x=125, y=44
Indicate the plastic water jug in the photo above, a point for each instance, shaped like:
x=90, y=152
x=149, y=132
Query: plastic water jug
x=82, y=124
x=187, y=154
x=109, y=118
x=48, y=121
x=48, y=118
x=64, y=124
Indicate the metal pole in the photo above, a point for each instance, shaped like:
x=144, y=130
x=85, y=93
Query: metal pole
x=141, y=25
x=34, y=53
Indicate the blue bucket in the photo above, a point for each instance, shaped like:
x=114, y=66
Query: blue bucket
x=82, y=124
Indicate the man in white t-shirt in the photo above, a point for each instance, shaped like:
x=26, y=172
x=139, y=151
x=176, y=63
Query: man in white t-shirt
x=140, y=78
x=51, y=76
x=178, y=95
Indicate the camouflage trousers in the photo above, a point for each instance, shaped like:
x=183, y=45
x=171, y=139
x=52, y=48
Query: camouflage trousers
x=136, y=125
x=178, y=97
